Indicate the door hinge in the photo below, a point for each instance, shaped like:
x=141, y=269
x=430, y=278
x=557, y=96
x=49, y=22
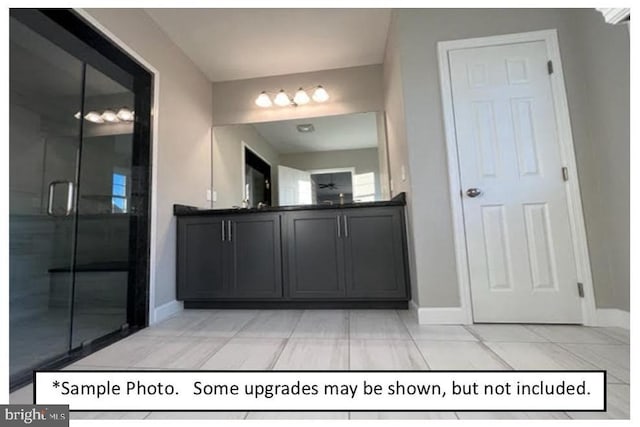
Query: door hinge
x=565, y=173
x=550, y=67
x=580, y=290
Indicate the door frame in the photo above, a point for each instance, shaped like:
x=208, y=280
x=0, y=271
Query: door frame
x=567, y=153
x=243, y=150
x=154, y=313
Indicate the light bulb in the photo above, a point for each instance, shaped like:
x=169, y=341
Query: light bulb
x=301, y=97
x=77, y=115
x=320, y=94
x=282, y=99
x=110, y=116
x=94, y=117
x=125, y=114
x=263, y=100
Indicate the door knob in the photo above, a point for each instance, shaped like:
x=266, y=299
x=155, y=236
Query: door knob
x=474, y=192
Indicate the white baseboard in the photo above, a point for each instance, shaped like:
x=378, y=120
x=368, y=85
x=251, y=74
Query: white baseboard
x=165, y=311
x=438, y=315
x=606, y=317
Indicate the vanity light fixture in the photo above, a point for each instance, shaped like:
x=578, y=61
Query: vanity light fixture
x=109, y=116
x=263, y=100
x=94, y=117
x=301, y=97
x=320, y=94
x=124, y=114
x=283, y=99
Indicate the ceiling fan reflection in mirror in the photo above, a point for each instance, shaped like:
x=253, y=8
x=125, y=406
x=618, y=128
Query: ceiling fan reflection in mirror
x=329, y=185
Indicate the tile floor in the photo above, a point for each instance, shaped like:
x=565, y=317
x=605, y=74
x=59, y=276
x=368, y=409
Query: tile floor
x=361, y=339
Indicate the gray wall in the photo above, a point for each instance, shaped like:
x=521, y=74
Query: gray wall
x=227, y=165
x=397, y=139
x=604, y=163
x=601, y=136
x=351, y=90
x=184, y=131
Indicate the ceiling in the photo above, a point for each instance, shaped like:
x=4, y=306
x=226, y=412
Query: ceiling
x=346, y=132
x=234, y=44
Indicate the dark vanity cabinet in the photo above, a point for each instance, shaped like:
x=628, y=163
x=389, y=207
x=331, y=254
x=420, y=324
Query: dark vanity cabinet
x=201, y=258
x=314, y=254
x=346, y=253
x=236, y=256
x=255, y=262
x=354, y=256
x=374, y=253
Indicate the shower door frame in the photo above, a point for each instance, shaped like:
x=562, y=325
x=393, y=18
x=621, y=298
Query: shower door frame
x=83, y=41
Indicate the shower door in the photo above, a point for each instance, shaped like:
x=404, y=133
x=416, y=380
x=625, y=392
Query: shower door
x=78, y=193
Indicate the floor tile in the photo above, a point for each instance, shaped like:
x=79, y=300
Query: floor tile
x=617, y=405
x=572, y=334
x=460, y=355
x=271, y=324
x=222, y=323
x=23, y=395
x=124, y=353
x=508, y=333
x=385, y=354
x=200, y=313
x=402, y=416
x=323, y=324
x=615, y=359
x=314, y=354
x=79, y=366
x=177, y=325
x=620, y=334
x=246, y=353
x=298, y=416
x=434, y=332
x=359, y=339
x=196, y=416
x=538, y=356
x=512, y=415
x=108, y=415
x=440, y=333
x=376, y=324
x=181, y=353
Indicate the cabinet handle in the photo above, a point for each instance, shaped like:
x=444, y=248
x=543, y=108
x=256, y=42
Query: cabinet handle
x=346, y=226
x=230, y=237
x=338, y=222
x=222, y=230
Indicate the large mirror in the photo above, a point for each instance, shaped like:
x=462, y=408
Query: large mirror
x=323, y=160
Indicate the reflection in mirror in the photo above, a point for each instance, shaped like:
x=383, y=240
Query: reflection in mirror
x=323, y=160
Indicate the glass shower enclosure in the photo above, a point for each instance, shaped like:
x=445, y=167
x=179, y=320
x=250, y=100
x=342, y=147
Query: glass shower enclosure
x=79, y=190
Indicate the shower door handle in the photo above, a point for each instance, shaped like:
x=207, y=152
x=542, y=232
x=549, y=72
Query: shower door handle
x=69, y=198
x=52, y=192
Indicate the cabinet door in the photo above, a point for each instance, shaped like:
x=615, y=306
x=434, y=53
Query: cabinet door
x=374, y=253
x=255, y=260
x=200, y=259
x=315, y=255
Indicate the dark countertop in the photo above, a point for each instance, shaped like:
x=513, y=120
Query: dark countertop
x=184, y=210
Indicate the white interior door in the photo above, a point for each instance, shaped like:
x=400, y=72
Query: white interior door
x=294, y=186
x=517, y=225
